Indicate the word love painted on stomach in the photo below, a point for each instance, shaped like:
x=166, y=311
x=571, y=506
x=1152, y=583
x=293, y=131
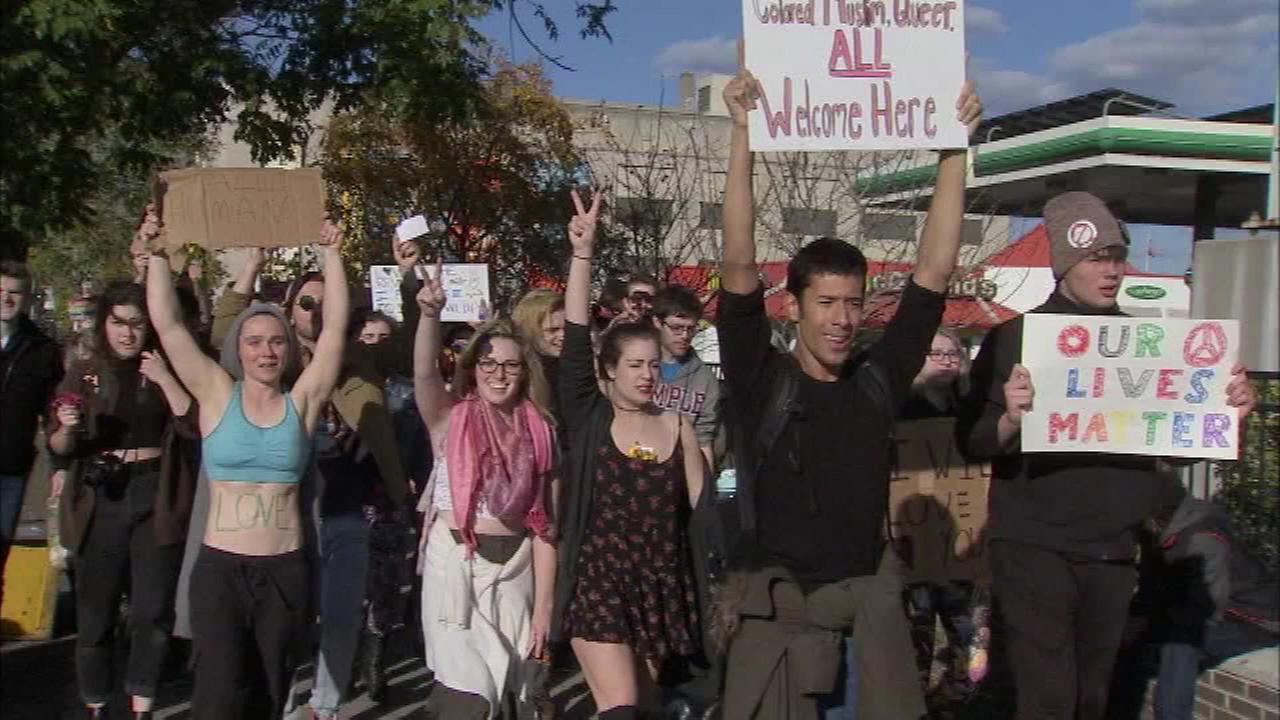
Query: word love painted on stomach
x=1130, y=385
x=855, y=74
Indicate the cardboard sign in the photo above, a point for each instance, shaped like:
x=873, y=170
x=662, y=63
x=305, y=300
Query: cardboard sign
x=1130, y=385
x=241, y=207
x=938, y=505
x=466, y=288
x=855, y=74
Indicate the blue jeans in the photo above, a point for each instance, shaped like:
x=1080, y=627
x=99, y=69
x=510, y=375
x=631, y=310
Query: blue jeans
x=12, y=488
x=1180, y=664
x=343, y=563
x=842, y=703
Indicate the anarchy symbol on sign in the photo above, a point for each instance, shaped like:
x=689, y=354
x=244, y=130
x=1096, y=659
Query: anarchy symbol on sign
x=1205, y=346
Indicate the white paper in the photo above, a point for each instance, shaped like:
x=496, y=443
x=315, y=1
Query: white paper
x=1141, y=386
x=854, y=75
x=384, y=289
x=466, y=288
x=414, y=227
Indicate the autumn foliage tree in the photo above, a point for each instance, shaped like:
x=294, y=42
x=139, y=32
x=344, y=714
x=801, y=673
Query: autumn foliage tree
x=79, y=76
x=497, y=183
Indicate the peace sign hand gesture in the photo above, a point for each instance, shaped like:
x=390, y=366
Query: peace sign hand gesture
x=582, y=226
x=431, y=297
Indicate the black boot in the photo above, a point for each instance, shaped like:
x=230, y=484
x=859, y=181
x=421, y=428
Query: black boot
x=375, y=681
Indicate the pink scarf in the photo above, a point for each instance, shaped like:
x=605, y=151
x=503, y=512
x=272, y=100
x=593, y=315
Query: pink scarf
x=505, y=461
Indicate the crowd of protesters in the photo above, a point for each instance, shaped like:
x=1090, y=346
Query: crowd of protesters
x=288, y=484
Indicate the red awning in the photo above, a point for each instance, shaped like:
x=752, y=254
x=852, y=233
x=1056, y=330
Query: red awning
x=960, y=312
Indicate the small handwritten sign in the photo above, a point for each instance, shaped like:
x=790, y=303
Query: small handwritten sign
x=241, y=207
x=1130, y=385
x=466, y=289
x=856, y=74
x=938, y=505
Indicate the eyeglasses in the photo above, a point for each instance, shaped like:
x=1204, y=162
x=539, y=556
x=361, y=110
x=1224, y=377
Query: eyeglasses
x=947, y=355
x=308, y=303
x=641, y=298
x=489, y=366
x=685, y=330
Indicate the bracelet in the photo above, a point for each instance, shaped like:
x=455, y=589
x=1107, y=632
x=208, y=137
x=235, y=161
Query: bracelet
x=580, y=257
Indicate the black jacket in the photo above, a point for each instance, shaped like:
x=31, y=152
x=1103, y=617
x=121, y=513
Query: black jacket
x=1206, y=575
x=30, y=369
x=1085, y=505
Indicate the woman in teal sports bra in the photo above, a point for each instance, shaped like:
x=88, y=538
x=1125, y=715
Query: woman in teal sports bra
x=250, y=586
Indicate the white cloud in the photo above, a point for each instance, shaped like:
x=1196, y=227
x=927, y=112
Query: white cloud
x=1005, y=90
x=1199, y=11
x=983, y=20
x=1203, y=57
x=713, y=54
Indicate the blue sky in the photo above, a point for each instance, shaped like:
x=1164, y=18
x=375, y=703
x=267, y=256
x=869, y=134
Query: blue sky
x=1205, y=56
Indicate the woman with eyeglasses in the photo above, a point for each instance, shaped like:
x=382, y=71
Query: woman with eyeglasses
x=489, y=558
x=120, y=417
x=250, y=585
x=962, y=606
x=626, y=597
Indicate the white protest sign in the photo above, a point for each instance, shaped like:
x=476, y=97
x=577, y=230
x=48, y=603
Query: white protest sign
x=414, y=227
x=1130, y=385
x=466, y=289
x=384, y=289
x=855, y=74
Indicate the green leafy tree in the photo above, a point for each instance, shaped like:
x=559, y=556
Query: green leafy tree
x=153, y=71
x=496, y=185
x=1250, y=488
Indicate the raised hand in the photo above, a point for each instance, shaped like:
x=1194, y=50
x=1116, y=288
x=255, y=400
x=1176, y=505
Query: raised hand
x=407, y=254
x=1241, y=394
x=582, y=226
x=150, y=229
x=969, y=107
x=255, y=257
x=431, y=297
x=330, y=234
x=742, y=92
x=1019, y=394
x=154, y=368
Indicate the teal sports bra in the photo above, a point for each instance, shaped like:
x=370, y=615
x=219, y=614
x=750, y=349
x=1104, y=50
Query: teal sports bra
x=239, y=451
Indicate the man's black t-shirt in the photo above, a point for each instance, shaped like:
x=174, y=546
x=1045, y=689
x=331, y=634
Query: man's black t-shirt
x=823, y=490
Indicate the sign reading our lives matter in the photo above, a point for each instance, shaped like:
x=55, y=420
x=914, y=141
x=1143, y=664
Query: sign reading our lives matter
x=856, y=74
x=1130, y=385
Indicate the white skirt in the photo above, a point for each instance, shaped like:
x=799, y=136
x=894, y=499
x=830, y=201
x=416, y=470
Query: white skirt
x=477, y=617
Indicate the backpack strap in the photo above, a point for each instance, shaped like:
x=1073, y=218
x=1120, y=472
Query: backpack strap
x=877, y=384
x=782, y=405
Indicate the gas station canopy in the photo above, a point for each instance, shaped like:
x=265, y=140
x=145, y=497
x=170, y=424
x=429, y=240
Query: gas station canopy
x=1164, y=170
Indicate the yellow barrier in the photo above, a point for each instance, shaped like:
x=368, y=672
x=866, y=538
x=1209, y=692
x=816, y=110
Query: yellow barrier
x=30, y=594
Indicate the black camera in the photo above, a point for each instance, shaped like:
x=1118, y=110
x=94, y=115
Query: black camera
x=102, y=471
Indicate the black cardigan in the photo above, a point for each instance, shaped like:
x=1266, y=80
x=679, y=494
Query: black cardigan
x=588, y=417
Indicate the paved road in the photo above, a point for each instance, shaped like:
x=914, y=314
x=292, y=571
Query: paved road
x=37, y=682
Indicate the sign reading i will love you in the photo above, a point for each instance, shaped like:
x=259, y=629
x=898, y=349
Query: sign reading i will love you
x=855, y=74
x=1130, y=385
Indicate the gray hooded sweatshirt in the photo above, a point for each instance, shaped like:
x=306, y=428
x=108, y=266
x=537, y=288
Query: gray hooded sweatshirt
x=695, y=393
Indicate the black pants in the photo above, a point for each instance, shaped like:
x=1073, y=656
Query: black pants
x=120, y=551
x=1063, y=620
x=248, y=614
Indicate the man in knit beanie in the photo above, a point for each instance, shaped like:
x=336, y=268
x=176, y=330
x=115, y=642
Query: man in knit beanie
x=1063, y=527
x=1080, y=226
